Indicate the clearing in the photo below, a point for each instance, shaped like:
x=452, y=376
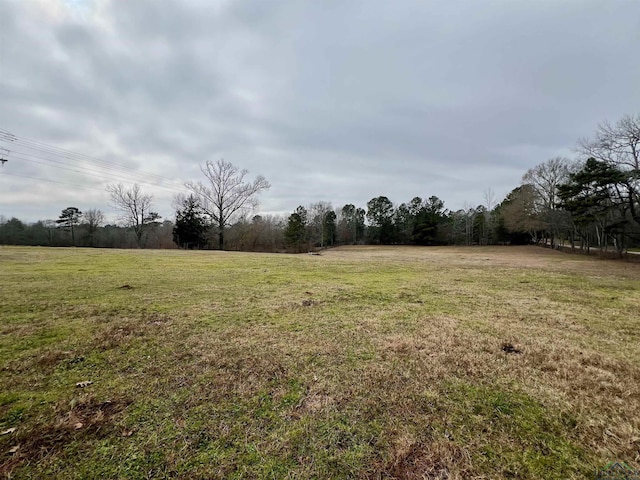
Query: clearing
x=363, y=362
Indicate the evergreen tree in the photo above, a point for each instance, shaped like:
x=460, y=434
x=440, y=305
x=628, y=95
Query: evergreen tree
x=69, y=218
x=295, y=233
x=190, y=230
x=380, y=213
x=330, y=228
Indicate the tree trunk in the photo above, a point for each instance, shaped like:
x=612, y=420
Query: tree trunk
x=221, y=235
x=138, y=232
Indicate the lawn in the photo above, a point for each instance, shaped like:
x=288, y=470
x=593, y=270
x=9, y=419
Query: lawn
x=363, y=362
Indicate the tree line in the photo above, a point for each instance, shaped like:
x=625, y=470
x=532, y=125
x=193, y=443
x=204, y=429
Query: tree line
x=592, y=201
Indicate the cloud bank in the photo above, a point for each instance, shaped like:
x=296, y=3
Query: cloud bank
x=336, y=101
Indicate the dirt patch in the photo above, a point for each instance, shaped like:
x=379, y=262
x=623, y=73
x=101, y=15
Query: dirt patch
x=313, y=403
x=125, y=287
x=509, y=348
x=45, y=362
x=51, y=358
x=118, y=335
x=88, y=420
x=93, y=413
x=404, y=345
x=420, y=461
x=159, y=320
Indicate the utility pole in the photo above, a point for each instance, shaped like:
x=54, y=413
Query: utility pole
x=5, y=137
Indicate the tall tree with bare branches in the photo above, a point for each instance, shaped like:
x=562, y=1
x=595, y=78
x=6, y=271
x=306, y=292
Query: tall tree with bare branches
x=226, y=195
x=618, y=146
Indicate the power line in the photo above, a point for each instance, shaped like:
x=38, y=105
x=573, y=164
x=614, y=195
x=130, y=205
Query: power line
x=42, y=147
x=90, y=172
x=62, y=152
x=45, y=180
x=78, y=157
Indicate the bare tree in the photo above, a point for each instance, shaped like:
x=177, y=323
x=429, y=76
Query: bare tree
x=135, y=207
x=545, y=180
x=546, y=177
x=93, y=218
x=227, y=194
x=519, y=211
x=317, y=215
x=489, y=203
x=50, y=226
x=469, y=218
x=619, y=146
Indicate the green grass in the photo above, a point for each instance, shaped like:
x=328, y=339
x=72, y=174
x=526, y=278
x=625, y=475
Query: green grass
x=363, y=362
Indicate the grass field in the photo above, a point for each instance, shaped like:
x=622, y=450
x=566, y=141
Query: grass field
x=364, y=362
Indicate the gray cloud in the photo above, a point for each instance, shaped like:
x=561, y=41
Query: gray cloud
x=338, y=101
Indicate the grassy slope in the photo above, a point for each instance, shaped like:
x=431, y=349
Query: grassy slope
x=363, y=362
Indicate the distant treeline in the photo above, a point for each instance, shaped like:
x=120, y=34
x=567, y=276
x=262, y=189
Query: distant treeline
x=591, y=202
x=49, y=233
x=418, y=222
x=516, y=220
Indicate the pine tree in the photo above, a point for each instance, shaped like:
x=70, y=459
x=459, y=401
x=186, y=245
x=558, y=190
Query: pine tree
x=190, y=230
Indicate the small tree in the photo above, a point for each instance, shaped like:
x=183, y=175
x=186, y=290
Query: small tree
x=295, y=233
x=403, y=220
x=329, y=228
x=93, y=218
x=519, y=213
x=428, y=217
x=50, y=231
x=351, y=225
x=545, y=179
x=380, y=216
x=135, y=207
x=227, y=194
x=69, y=218
x=318, y=222
x=190, y=230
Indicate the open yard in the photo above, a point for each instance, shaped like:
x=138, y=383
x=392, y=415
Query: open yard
x=364, y=362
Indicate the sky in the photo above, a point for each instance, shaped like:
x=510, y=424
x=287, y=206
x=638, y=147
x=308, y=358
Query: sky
x=338, y=101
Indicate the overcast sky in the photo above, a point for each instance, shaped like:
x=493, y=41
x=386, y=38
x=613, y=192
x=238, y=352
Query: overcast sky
x=339, y=101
